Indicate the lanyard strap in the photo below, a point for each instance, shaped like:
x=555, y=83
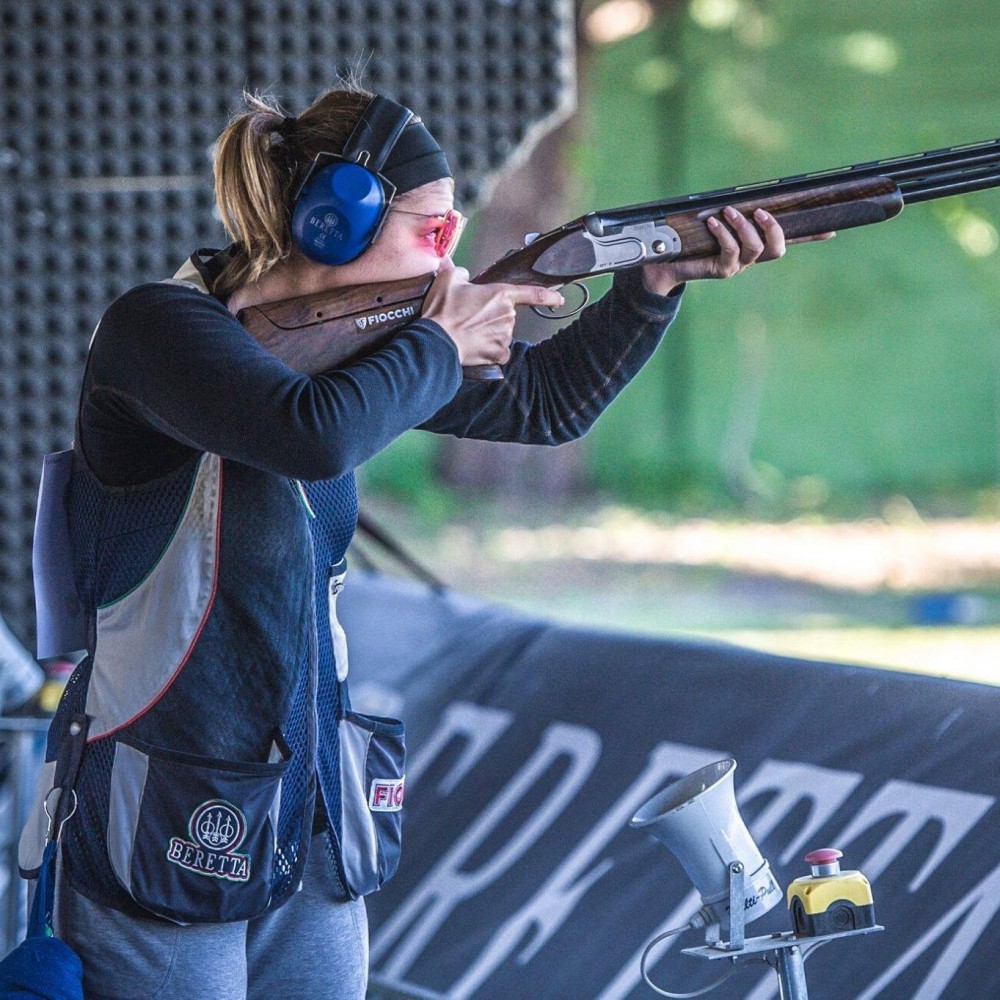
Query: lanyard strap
x=43, y=901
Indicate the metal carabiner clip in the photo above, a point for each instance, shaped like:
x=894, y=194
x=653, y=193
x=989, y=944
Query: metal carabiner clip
x=52, y=816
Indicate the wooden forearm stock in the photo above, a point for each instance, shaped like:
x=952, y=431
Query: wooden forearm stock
x=571, y=253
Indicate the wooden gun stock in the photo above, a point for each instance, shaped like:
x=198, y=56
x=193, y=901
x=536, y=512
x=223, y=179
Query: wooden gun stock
x=319, y=332
x=315, y=333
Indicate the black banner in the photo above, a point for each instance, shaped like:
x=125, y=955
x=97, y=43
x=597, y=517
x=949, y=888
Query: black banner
x=532, y=744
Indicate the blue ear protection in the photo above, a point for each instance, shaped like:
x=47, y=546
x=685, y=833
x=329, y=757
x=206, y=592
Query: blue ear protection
x=344, y=199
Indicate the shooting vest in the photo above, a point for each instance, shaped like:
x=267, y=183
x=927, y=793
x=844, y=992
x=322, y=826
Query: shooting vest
x=194, y=598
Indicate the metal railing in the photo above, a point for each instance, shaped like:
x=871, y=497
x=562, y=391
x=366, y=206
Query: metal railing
x=22, y=750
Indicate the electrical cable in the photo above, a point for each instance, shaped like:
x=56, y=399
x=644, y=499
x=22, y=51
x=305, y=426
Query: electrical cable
x=680, y=996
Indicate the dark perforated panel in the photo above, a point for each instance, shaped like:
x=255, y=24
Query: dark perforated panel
x=108, y=109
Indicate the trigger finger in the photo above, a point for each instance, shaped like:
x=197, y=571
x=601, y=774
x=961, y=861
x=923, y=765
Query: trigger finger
x=534, y=295
x=549, y=297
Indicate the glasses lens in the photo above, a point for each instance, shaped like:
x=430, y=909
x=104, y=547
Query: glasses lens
x=449, y=233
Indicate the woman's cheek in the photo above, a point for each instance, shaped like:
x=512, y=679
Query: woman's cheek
x=418, y=257
x=426, y=245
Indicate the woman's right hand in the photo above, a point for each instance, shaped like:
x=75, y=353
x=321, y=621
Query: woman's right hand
x=480, y=318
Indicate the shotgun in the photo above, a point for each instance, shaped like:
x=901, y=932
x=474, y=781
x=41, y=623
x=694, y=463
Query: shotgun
x=314, y=333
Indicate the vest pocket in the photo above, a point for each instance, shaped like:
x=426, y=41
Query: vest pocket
x=192, y=839
x=372, y=763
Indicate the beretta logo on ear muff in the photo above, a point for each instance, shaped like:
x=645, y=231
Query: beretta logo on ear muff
x=344, y=199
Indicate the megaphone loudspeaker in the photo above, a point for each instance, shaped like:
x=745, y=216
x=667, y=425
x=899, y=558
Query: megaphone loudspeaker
x=698, y=820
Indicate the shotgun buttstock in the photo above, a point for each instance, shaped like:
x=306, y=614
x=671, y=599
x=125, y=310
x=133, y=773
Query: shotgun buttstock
x=320, y=332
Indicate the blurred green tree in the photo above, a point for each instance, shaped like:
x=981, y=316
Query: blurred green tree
x=863, y=366
x=870, y=364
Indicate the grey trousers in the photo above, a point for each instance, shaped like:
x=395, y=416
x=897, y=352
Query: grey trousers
x=313, y=947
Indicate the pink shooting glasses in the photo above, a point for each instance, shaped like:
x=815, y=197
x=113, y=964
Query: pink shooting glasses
x=447, y=232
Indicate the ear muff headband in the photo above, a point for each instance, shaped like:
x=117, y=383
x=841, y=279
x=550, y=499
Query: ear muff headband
x=377, y=132
x=344, y=199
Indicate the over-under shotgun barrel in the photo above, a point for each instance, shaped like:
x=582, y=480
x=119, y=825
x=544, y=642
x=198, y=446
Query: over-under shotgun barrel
x=979, y=161
x=805, y=205
x=316, y=333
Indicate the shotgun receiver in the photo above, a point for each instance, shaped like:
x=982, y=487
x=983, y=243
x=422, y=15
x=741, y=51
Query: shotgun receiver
x=315, y=333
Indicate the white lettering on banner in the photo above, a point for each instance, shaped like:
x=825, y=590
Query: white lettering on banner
x=548, y=910
x=791, y=783
x=979, y=906
x=446, y=885
x=628, y=977
x=480, y=727
x=915, y=805
x=787, y=784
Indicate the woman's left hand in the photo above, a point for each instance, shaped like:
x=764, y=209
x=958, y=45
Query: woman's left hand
x=741, y=243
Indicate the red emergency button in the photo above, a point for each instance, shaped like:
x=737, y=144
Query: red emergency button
x=824, y=856
x=824, y=862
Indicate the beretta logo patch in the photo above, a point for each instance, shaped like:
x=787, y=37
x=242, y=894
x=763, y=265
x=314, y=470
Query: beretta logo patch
x=217, y=828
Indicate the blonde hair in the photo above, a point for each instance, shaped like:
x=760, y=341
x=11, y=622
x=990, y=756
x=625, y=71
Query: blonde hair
x=260, y=158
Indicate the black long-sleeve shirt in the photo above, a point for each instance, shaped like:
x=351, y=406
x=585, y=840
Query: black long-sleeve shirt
x=172, y=374
x=171, y=371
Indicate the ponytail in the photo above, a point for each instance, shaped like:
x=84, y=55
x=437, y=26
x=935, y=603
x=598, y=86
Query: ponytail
x=259, y=158
x=251, y=190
